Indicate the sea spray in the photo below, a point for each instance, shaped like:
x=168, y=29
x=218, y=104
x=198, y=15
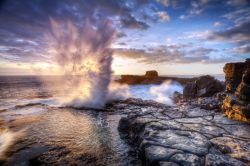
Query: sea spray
x=84, y=58
x=7, y=139
x=163, y=93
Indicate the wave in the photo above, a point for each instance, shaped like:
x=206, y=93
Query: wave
x=7, y=140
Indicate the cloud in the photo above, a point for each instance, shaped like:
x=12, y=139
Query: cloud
x=163, y=16
x=238, y=16
x=241, y=49
x=130, y=22
x=196, y=8
x=217, y=24
x=237, y=2
x=23, y=24
x=237, y=33
x=244, y=49
x=168, y=3
x=164, y=2
x=170, y=54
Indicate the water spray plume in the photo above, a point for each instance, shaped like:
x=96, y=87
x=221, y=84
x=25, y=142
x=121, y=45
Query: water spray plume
x=84, y=57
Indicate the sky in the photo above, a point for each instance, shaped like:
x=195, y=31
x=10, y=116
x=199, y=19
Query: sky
x=174, y=37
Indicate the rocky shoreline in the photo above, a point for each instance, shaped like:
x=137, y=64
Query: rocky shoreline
x=198, y=129
x=183, y=135
x=208, y=125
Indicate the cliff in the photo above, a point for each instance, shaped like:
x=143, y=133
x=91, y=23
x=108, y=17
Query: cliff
x=237, y=101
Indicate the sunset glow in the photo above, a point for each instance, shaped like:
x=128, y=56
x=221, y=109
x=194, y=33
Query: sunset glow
x=165, y=35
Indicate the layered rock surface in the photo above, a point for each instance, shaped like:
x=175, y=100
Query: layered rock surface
x=237, y=102
x=183, y=135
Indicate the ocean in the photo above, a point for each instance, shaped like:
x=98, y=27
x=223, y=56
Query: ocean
x=33, y=123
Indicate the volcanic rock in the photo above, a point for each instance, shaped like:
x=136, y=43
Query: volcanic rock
x=204, y=86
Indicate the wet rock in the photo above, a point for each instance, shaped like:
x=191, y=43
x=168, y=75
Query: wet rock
x=209, y=103
x=177, y=97
x=164, y=163
x=154, y=154
x=204, y=86
x=217, y=160
x=185, y=135
x=187, y=159
x=232, y=147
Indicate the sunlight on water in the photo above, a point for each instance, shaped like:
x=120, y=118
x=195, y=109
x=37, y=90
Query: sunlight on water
x=7, y=139
x=63, y=128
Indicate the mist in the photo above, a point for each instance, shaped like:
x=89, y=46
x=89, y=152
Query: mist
x=84, y=58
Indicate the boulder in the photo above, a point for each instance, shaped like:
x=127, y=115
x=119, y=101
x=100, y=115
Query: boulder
x=208, y=86
x=204, y=86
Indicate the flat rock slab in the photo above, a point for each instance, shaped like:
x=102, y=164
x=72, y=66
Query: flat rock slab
x=183, y=135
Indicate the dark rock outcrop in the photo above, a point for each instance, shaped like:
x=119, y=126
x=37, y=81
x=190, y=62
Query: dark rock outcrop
x=204, y=86
x=233, y=75
x=151, y=77
x=151, y=74
x=237, y=102
x=184, y=135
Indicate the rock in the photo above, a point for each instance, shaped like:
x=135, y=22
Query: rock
x=177, y=97
x=131, y=79
x=209, y=103
x=237, y=102
x=154, y=154
x=204, y=86
x=236, y=109
x=187, y=159
x=184, y=134
x=208, y=86
x=217, y=160
x=165, y=163
x=232, y=147
x=243, y=89
x=233, y=75
x=151, y=74
x=151, y=77
x=190, y=90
